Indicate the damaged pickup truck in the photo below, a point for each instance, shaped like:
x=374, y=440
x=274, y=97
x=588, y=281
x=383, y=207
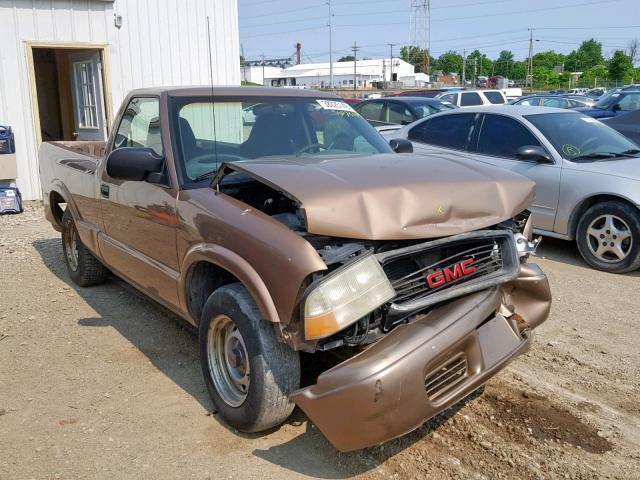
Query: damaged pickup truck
x=280, y=222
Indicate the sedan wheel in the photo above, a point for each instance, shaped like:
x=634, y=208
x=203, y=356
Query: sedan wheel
x=609, y=238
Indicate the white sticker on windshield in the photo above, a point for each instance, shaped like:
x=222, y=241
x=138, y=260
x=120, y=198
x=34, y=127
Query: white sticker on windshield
x=335, y=105
x=590, y=120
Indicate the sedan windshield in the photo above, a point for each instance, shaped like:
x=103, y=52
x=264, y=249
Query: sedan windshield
x=210, y=133
x=577, y=136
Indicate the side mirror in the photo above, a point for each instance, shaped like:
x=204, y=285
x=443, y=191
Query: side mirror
x=534, y=153
x=616, y=107
x=400, y=145
x=132, y=163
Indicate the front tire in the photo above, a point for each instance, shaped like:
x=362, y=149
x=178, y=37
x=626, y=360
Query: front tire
x=248, y=372
x=84, y=269
x=608, y=237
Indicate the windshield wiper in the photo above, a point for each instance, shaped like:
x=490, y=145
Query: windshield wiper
x=606, y=155
x=199, y=178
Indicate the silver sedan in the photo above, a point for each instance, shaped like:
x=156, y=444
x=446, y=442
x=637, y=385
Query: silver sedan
x=587, y=174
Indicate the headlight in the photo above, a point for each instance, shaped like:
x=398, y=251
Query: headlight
x=345, y=296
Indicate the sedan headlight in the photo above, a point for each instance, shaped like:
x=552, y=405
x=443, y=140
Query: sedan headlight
x=345, y=296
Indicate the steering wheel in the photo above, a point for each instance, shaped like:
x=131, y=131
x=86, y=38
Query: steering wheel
x=310, y=146
x=213, y=158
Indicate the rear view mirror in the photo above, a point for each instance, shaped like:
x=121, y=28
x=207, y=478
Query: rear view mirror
x=533, y=153
x=400, y=145
x=616, y=107
x=131, y=163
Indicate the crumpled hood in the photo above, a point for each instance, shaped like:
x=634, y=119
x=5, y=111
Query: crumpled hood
x=394, y=196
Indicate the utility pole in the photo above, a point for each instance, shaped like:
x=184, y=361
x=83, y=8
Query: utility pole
x=262, y=56
x=529, y=80
x=244, y=70
x=355, y=49
x=391, y=58
x=330, y=46
x=464, y=66
x=475, y=71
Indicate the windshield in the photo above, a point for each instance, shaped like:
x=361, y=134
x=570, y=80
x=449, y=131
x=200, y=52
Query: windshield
x=210, y=133
x=608, y=100
x=576, y=135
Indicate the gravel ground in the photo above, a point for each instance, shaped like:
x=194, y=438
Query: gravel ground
x=102, y=383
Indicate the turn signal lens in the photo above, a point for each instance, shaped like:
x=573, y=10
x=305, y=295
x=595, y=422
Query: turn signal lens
x=346, y=296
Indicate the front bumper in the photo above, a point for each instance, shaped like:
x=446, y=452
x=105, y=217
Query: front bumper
x=380, y=393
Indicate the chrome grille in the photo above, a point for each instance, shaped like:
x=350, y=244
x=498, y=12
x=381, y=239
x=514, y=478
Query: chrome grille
x=446, y=376
x=436, y=271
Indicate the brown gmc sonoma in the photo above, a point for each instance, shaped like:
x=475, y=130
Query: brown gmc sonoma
x=279, y=221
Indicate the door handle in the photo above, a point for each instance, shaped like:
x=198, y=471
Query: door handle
x=104, y=190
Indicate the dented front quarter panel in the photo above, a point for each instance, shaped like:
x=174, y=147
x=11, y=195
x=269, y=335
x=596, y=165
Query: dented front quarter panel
x=394, y=196
x=270, y=258
x=380, y=393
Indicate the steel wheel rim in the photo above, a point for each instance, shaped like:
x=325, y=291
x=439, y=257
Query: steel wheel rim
x=71, y=249
x=609, y=238
x=228, y=361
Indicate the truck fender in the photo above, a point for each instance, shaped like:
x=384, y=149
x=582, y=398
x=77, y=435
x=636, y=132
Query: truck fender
x=235, y=265
x=59, y=188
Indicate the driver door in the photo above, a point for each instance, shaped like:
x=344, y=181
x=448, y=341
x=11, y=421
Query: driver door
x=140, y=220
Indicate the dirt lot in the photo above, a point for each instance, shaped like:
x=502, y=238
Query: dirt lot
x=101, y=383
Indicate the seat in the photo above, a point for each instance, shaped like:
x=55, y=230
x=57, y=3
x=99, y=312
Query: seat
x=188, y=141
x=274, y=133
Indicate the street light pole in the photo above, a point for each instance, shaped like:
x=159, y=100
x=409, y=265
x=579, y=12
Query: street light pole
x=330, y=47
x=391, y=58
x=355, y=49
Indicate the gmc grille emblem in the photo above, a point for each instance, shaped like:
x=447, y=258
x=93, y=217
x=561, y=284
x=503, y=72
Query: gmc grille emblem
x=453, y=272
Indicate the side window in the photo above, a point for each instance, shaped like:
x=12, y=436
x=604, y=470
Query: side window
x=527, y=102
x=449, y=131
x=470, y=99
x=495, y=98
x=630, y=102
x=554, y=102
x=398, y=113
x=451, y=97
x=140, y=125
x=371, y=110
x=502, y=136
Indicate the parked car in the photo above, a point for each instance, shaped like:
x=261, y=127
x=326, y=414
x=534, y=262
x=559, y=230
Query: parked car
x=473, y=98
x=557, y=91
x=587, y=174
x=627, y=124
x=595, y=93
x=430, y=93
x=556, y=101
x=399, y=110
x=304, y=232
x=617, y=102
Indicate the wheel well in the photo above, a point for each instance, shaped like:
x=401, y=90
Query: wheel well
x=58, y=205
x=586, y=205
x=203, y=279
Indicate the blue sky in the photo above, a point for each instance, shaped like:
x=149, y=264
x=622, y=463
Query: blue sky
x=272, y=27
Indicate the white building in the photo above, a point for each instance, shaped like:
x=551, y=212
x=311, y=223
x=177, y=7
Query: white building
x=317, y=75
x=65, y=65
x=257, y=73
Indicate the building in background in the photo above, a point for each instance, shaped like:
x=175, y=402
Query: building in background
x=65, y=66
x=367, y=73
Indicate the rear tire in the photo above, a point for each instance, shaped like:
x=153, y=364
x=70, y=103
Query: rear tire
x=608, y=237
x=84, y=269
x=248, y=372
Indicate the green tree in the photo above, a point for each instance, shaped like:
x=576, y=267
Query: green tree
x=548, y=59
x=483, y=63
x=620, y=67
x=544, y=77
x=588, y=55
x=594, y=76
x=504, y=64
x=415, y=56
x=450, y=62
x=347, y=58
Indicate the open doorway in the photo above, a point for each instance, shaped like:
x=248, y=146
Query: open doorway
x=70, y=90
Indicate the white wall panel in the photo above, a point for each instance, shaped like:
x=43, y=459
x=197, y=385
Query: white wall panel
x=161, y=42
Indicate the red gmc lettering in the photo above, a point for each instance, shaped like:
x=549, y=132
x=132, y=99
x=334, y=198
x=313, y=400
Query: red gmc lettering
x=440, y=277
